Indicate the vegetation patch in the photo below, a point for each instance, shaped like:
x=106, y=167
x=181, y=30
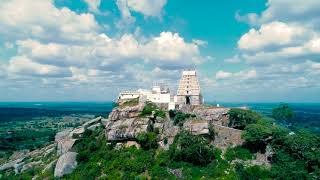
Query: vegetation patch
x=148, y=140
x=132, y=102
x=193, y=149
x=238, y=152
x=150, y=108
x=240, y=118
x=179, y=117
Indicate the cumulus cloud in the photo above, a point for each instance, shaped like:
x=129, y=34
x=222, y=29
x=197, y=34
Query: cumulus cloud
x=166, y=49
x=21, y=65
x=93, y=5
x=148, y=8
x=20, y=19
x=300, y=11
x=282, y=46
x=271, y=35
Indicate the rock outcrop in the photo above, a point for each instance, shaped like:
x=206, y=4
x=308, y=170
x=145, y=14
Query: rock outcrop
x=214, y=115
x=65, y=164
x=125, y=113
x=224, y=136
x=125, y=123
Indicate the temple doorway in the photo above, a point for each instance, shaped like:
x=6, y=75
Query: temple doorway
x=188, y=100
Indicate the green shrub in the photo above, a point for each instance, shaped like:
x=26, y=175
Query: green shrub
x=151, y=107
x=192, y=149
x=148, y=140
x=240, y=118
x=252, y=172
x=132, y=102
x=238, y=153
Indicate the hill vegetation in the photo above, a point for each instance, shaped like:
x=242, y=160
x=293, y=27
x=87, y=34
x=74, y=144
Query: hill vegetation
x=294, y=154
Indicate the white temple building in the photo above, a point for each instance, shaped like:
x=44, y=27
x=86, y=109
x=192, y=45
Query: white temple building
x=188, y=93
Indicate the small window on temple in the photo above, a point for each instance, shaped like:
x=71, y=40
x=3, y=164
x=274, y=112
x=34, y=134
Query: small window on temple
x=187, y=92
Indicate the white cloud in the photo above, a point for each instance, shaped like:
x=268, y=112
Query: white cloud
x=21, y=65
x=300, y=11
x=166, y=49
x=20, y=19
x=223, y=75
x=93, y=5
x=147, y=7
x=237, y=76
x=233, y=60
x=271, y=35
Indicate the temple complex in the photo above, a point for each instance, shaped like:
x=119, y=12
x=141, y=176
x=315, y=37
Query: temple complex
x=188, y=93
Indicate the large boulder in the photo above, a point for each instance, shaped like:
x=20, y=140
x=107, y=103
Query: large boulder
x=226, y=137
x=65, y=164
x=65, y=145
x=197, y=127
x=125, y=129
x=125, y=113
x=10, y=164
x=92, y=122
x=214, y=115
x=62, y=135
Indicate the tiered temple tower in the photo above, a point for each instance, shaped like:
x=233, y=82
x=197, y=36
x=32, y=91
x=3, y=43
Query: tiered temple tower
x=189, y=89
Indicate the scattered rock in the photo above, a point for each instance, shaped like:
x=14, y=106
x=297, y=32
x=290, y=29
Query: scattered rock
x=65, y=145
x=49, y=166
x=65, y=164
x=11, y=164
x=91, y=122
x=93, y=127
x=30, y=165
x=62, y=135
x=177, y=172
x=132, y=143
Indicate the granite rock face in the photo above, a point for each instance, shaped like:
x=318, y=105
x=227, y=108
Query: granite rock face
x=65, y=145
x=126, y=129
x=92, y=122
x=213, y=115
x=197, y=127
x=65, y=164
x=125, y=123
x=226, y=137
x=125, y=113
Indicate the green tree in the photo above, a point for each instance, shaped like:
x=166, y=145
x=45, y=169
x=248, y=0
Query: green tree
x=148, y=140
x=193, y=149
x=257, y=137
x=283, y=113
x=240, y=118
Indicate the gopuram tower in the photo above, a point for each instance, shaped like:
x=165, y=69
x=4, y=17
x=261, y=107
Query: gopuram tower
x=189, y=89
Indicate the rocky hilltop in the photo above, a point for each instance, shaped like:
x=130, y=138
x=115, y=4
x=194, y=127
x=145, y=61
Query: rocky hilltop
x=125, y=123
x=123, y=126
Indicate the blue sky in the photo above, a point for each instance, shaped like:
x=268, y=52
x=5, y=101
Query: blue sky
x=89, y=50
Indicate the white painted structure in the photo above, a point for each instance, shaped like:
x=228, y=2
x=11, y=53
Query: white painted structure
x=157, y=94
x=188, y=92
